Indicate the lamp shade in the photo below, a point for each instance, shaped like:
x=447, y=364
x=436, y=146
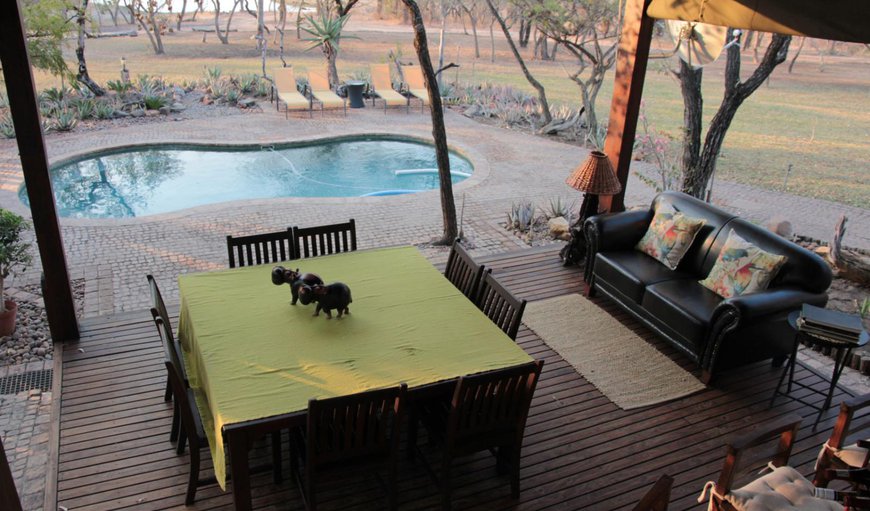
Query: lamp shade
x=595, y=176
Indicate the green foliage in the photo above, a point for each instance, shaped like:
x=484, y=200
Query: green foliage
x=212, y=74
x=119, y=86
x=104, y=110
x=7, y=129
x=14, y=252
x=64, y=120
x=248, y=83
x=325, y=32
x=233, y=96
x=263, y=88
x=84, y=107
x=559, y=207
x=521, y=216
x=46, y=25
x=56, y=95
x=864, y=307
x=4, y=100
x=155, y=102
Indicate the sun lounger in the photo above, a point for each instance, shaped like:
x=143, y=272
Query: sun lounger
x=416, y=84
x=383, y=88
x=284, y=89
x=321, y=91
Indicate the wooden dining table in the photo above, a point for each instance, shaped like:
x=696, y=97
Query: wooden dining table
x=257, y=360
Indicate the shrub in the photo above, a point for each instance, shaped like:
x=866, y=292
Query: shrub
x=248, y=83
x=65, y=120
x=559, y=207
x=7, y=129
x=56, y=95
x=521, y=216
x=84, y=108
x=155, y=102
x=263, y=88
x=104, y=110
x=233, y=96
x=14, y=252
x=119, y=86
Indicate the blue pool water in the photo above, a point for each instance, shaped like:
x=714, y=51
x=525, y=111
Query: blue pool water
x=160, y=179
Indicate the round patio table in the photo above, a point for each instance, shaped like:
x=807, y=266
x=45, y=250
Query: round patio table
x=355, y=93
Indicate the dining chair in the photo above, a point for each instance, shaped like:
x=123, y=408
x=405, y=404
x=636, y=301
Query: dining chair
x=462, y=271
x=325, y=239
x=270, y=247
x=850, y=427
x=780, y=488
x=499, y=305
x=358, y=429
x=164, y=330
x=658, y=497
x=194, y=424
x=488, y=411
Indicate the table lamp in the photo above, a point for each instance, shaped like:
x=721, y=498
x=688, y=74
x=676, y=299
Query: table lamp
x=593, y=177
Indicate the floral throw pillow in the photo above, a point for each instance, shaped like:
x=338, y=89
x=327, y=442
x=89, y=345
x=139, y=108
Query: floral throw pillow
x=669, y=236
x=742, y=268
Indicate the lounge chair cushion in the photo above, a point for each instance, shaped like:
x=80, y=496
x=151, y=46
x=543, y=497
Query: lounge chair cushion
x=294, y=100
x=784, y=489
x=391, y=97
x=328, y=98
x=851, y=455
x=422, y=94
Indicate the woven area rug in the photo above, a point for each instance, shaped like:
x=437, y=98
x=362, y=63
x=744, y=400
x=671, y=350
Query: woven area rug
x=622, y=365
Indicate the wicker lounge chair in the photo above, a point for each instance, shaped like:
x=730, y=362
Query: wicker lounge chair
x=322, y=92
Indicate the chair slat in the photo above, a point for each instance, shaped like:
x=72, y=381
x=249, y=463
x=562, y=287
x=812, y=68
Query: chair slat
x=499, y=305
x=325, y=239
x=263, y=248
x=462, y=271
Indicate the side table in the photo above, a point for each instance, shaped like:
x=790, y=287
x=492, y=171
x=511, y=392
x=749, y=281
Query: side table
x=355, y=93
x=841, y=353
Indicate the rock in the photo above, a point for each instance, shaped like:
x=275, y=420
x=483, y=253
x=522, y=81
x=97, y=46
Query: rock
x=471, y=111
x=138, y=113
x=247, y=103
x=207, y=100
x=781, y=226
x=40, y=352
x=559, y=228
x=120, y=114
x=178, y=91
x=152, y=113
x=177, y=107
x=164, y=110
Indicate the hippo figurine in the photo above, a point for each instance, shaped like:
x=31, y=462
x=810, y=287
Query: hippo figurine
x=334, y=296
x=295, y=279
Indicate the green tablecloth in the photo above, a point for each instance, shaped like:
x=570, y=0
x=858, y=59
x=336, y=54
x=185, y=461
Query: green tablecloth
x=253, y=355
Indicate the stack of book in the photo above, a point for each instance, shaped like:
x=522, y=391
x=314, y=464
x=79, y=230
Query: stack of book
x=830, y=324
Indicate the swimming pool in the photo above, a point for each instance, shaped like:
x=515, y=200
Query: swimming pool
x=160, y=179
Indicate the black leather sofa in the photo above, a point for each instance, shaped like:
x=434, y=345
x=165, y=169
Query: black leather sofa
x=716, y=333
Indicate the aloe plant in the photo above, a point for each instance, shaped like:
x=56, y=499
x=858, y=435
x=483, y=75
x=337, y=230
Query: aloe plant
x=7, y=129
x=325, y=34
x=233, y=96
x=104, y=110
x=521, y=216
x=84, y=108
x=155, y=102
x=65, y=120
x=119, y=86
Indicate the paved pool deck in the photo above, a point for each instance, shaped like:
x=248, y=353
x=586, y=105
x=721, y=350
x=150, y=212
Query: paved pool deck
x=510, y=166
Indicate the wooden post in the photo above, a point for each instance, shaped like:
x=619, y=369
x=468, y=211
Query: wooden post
x=637, y=29
x=9, y=500
x=59, y=306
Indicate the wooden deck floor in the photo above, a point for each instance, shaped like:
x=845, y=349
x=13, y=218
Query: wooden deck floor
x=580, y=450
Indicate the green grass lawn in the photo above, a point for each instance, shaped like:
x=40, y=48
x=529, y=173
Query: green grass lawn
x=817, y=122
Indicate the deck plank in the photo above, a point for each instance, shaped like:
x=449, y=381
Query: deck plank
x=580, y=450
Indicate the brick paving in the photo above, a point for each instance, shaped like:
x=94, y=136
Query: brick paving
x=113, y=256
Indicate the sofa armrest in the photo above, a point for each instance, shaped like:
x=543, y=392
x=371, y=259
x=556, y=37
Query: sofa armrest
x=765, y=303
x=612, y=231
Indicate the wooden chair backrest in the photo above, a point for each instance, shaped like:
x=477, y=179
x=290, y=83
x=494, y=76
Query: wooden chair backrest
x=318, y=81
x=325, y=239
x=181, y=393
x=362, y=426
x=270, y=247
x=737, y=464
x=285, y=79
x=658, y=497
x=850, y=427
x=158, y=311
x=414, y=77
x=499, y=305
x=491, y=407
x=462, y=271
x=381, y=77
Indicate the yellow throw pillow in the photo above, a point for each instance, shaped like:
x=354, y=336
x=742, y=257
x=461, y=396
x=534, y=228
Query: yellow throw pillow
x=742, y=268
x=669, y=236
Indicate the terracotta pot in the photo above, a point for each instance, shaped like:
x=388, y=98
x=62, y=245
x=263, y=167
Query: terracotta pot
x=7, y=318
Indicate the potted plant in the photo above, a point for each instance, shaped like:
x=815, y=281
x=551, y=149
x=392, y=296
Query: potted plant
x=14, y=256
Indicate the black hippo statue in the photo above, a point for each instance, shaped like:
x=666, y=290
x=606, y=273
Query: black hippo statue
x=334, y=296
x=295, y=279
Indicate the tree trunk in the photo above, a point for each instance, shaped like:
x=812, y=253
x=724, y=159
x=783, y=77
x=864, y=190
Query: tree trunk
x=491, y=42
x=441, y=39
x=542, y=95
x=113, y=11
x=796, y=55
x=525, y=32
x=181, y=15
x=439, y=133
x=473, y=19
x=147, y=22
x=82, y=75
x=299, y=20
x=332, y=70
x=693, y=109
x=696, y=178
x=217, y=23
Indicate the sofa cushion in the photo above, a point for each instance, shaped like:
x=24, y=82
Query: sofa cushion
x=630, y=271
x=684, y=305
x=781, y=490
x=742, y=268
x=669, y=235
